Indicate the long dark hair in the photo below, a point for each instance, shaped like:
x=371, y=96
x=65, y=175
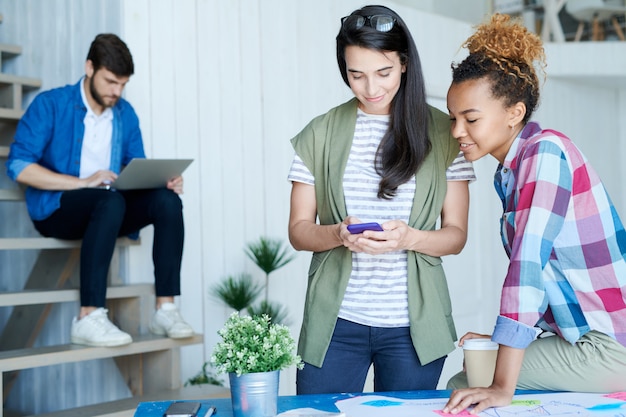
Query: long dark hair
x=406, y=143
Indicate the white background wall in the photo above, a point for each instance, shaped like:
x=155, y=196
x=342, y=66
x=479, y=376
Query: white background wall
x=228, y=83
x=257, y=76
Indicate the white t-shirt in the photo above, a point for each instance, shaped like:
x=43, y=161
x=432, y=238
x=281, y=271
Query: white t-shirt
x=96, y=151
x=377, y=290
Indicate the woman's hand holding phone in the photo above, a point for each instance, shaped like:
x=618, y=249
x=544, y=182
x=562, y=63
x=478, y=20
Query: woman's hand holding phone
x=357, y=228
x=396, y=235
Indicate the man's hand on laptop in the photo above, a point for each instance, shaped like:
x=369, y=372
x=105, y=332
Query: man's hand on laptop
x=101, y=179
x=176, y=184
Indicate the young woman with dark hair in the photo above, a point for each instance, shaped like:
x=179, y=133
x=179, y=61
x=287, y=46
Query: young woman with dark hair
x=377, y=297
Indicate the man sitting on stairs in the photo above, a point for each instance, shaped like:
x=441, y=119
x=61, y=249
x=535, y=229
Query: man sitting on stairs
x=70, y=142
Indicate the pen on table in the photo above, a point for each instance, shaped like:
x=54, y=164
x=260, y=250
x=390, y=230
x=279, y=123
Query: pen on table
x=212, y=410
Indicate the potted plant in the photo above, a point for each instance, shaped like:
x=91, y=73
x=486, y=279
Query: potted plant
x=240, y=292
x=253, y=351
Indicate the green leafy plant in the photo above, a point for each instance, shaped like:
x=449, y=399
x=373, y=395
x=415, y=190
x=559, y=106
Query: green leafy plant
x=204, y=377
x=237, y=292
x=269, y=255
x=254, y=344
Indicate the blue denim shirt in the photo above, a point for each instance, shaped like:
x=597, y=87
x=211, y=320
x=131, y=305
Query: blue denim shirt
x=51, y=134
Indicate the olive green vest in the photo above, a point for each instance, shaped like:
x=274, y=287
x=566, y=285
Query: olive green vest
x=324, y=145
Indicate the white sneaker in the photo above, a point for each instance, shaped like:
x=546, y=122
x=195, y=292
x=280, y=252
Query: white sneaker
x=95, y=329
x=168, y=321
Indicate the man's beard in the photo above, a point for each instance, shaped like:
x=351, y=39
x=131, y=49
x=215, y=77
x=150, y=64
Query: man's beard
x=97, y=97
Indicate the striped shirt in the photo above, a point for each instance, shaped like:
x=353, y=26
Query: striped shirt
x=377, y=290
x=565, y=242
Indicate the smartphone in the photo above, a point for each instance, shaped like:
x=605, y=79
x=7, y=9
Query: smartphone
x=361, y=227
x=182, y=409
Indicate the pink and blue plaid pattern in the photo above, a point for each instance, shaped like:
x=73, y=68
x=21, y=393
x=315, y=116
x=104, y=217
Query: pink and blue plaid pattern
x=565, y=242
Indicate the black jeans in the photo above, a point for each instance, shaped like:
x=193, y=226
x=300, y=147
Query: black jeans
x=99, y=217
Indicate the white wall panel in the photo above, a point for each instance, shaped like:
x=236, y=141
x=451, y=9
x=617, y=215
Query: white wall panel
x=165, y=37
x=186, y=144
x=598, y=133
x=620, y=144
x=254, y=148
x=211, y=223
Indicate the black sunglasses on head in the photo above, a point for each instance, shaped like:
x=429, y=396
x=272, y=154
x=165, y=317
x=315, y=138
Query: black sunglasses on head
x=380, y=22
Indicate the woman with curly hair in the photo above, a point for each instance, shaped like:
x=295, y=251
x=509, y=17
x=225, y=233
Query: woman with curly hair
x=562, y=322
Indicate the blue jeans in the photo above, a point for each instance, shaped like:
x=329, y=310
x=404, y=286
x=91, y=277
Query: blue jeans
x=354, y=347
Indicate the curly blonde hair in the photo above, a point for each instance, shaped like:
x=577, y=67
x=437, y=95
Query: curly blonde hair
x=505, y=52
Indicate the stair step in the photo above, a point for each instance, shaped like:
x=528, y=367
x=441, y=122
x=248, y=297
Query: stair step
x=11, y=195
x=12, y=88
x=11, y=114
x=27, y=82
x=33, y=297
x=18, y=359
x=15, y=194
x=15, y=243
x=9, y=49
x=126, y=407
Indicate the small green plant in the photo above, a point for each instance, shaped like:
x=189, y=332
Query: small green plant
x=254, y=344
x=204, y=377
x=237, y=292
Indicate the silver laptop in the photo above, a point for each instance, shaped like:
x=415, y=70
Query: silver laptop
x=143, y=173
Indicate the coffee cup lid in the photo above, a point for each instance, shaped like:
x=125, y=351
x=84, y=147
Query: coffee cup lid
x=480, y=344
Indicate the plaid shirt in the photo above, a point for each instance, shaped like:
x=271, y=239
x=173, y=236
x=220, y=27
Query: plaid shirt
x=565, y=242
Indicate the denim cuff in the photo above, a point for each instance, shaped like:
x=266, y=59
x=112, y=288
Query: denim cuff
x=15, y=167
x=512, y=333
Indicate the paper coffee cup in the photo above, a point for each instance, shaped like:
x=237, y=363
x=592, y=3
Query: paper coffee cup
x=480, y=361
